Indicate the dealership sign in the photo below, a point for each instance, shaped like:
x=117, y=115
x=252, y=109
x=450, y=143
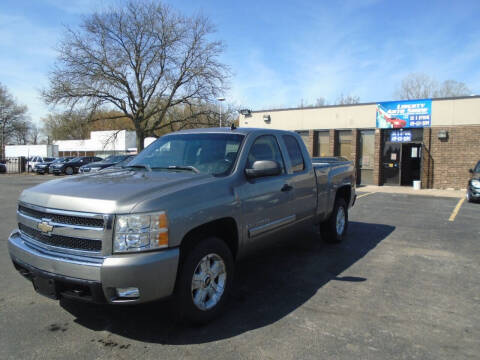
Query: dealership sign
x=404, y=114
x=401, y=136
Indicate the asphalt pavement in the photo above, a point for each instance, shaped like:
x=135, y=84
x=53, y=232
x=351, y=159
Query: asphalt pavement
x=405, y=284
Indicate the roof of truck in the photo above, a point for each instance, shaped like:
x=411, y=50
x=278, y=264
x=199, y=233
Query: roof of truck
x=242, y=130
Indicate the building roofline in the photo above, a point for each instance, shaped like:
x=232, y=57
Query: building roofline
x=363, y=104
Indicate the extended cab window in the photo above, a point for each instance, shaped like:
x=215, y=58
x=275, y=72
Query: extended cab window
x=265, y=148
x=294, y=152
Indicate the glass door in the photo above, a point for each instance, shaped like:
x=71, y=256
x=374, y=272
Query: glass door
x=391, y=159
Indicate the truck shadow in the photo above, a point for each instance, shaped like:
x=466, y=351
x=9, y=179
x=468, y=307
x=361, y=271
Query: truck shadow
x=268, y=286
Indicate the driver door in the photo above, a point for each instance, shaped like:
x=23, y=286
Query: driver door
x=266, y=201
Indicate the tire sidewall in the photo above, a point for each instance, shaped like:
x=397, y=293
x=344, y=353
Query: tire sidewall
x=342, y=204
x=188, y=310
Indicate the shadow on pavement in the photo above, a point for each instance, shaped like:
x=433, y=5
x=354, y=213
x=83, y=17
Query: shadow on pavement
x=268, y=286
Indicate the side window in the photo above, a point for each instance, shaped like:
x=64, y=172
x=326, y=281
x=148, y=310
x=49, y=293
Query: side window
x=265, y=148
x=294, y=152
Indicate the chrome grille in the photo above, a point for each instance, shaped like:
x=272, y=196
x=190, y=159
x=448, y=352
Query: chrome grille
x=62, y=241
x=62, y=219
x=67, y=231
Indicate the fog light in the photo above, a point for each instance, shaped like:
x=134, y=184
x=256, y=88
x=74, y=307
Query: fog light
x=131, y=292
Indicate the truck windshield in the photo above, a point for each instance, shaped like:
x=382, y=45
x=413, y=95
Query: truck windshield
x=213, y=154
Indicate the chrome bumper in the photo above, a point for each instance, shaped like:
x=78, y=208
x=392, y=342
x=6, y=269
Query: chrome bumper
x=153, y=273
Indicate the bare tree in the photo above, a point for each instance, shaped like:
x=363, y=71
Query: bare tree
x=34, y=135
x=142, y=59
x=452, y=88
x=347, y=99
x=321, y=101
x=12, y=118
x=422, y=86
x=70, y=125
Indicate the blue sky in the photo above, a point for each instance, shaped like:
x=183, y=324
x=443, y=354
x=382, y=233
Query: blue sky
x=279, y=51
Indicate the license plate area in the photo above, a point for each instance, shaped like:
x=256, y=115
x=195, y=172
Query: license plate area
x=45, y=287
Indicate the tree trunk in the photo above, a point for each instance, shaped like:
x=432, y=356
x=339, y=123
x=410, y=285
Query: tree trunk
x=140, y=139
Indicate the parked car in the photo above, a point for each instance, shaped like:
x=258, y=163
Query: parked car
x=3, y=167
x=473, y=190
x=42, y=167
x=105, y=163
x=58, y=161
x=176, y=218
x=71, y=167
x=34, y=160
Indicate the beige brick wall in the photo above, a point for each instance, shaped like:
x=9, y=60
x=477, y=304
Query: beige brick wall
x=446, y=162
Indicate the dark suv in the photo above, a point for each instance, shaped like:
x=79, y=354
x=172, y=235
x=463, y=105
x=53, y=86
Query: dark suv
x=71, y=167
x=473, y=190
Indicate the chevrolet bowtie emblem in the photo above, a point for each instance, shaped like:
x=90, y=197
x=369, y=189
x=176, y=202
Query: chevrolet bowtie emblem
x=45, y=227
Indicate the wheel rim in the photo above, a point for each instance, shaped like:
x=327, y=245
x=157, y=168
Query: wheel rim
x=69, y=171
x=208, y=282
x=340, y=223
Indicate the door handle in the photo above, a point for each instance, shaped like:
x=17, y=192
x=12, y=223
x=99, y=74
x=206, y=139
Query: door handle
x=287, y=187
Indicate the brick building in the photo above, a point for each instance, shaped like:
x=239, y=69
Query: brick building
x=438, y=152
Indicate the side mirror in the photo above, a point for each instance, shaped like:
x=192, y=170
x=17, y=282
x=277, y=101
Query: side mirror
x=470, y=171
x=262, y=168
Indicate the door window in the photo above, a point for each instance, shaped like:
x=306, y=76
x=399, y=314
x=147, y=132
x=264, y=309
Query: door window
x=265, y=148
x=294, y=152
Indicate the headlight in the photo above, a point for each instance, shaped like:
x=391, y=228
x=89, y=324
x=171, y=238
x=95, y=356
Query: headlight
x=139, y=232
x=476, y=183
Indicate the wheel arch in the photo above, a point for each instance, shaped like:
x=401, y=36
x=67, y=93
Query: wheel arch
x=225, y=228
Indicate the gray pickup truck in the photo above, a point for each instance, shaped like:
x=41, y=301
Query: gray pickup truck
x=176, y=218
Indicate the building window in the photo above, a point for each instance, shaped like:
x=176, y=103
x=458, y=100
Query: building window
x=344, y=144
x=322, y=143
x=366, y=157
x=304, y=136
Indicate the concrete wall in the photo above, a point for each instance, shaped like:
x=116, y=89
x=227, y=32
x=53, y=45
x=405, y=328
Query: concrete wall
x=100, y=141
x=31, y=150
x=445, y=112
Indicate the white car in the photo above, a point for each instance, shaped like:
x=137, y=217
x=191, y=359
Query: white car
x=34, y=160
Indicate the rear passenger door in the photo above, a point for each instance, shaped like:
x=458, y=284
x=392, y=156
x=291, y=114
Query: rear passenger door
x=301, y=178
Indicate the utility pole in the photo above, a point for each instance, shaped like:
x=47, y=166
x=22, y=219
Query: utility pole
x=220, y=100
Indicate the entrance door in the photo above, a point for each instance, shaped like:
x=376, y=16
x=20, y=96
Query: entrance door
x=411, y=163
x=391, y=163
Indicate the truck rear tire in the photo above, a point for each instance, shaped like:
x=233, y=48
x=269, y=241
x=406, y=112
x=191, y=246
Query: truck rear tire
x=334, y=229
x=204, y=281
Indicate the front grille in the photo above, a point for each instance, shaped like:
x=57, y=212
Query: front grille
x=62, y=241
x=62, y=219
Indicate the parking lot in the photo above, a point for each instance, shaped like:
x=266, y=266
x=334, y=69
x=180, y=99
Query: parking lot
x=405, y=284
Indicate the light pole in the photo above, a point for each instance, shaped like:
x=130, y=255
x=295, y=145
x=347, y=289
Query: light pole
x=220, y=100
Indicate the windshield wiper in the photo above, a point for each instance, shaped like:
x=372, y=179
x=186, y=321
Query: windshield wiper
x=138, y=166
x=184, y=167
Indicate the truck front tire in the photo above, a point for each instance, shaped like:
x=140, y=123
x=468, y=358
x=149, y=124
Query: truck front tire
x=204, y=281
x=334, y=229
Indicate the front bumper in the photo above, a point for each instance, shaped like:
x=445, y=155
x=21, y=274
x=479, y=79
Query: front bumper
x=474, y=192
x=92, y=278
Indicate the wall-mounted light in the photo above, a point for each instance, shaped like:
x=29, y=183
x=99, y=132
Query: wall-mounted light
x=266, y=118
x=443, y=135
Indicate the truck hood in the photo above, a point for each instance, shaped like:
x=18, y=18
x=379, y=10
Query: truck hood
x=112, y=192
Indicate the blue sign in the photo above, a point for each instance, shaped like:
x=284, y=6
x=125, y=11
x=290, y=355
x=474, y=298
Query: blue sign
x=404, y=114
x=401, y=136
